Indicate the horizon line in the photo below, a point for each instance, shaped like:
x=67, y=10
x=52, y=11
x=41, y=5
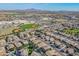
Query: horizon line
x=34, y=9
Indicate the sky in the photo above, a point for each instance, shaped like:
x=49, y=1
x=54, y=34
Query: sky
x=42, y=6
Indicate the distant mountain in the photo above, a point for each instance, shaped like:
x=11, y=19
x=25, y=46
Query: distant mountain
x=32, y=10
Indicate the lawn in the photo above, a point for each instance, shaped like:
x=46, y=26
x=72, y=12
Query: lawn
x=72, y=31
x=23, y=27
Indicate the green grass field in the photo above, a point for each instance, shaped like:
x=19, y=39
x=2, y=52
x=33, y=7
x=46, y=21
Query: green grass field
x=72, y=31
x=23, y=27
